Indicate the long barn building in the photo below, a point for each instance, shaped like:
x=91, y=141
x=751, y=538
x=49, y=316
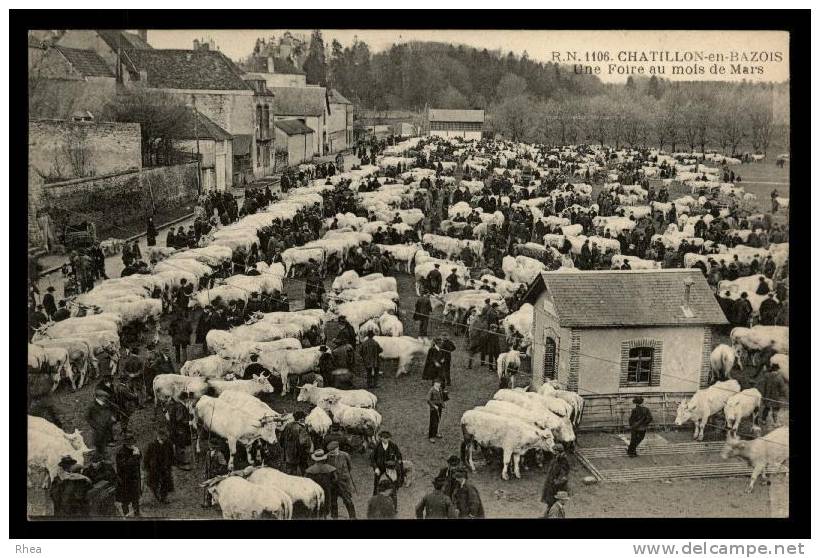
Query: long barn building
x=456, y=123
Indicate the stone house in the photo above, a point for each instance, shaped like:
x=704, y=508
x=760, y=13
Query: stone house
x=296, y=139
x=339, y=122
x=623, y=333
x=308, y=104
x=455, y=123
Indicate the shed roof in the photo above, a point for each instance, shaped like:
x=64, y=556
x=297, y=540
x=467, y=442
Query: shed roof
x=637, y=298
x=189, y=69
x=299, y=101
x=203, y=127
x=337, y=98
x=294, y=127
x=456, y=115
x=86, y=62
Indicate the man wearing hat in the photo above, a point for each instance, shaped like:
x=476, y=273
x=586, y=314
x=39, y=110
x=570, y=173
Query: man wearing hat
x=435, y=402
x=129, y=476
x=769, y=309
x=346, y=335
x=556, y=510
x=159, y=458
x=434, y=279
x=772, y=387
x=447, y=475
x=36, y=320
x=447, y=348
x=385, y=451
x=101, y=419
x=344, y=480
x=434, y=363
x=557, y=475
x=296, y=445
x=100, y=470
x=639, y=421
x=380, y=505
x=466, y=497
x=436, y=504
x=325, y=476
x=48, y=303
x=69, y=490
x=370, y=351
x=422, y=312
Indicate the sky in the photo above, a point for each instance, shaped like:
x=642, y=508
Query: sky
x=544, y=46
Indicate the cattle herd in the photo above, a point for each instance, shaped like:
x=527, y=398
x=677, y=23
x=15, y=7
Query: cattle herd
x=474, y=223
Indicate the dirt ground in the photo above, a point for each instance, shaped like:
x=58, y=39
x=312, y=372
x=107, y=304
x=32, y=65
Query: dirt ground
x=402, y=405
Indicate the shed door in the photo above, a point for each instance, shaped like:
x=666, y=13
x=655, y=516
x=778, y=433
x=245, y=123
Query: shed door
x=550, y=354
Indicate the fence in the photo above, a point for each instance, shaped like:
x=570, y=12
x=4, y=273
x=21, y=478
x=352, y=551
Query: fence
x=611, y=412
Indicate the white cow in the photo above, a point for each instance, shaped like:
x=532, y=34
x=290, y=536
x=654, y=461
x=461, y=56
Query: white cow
x=300, y=489
x=232, y=423
x=739, y=406
x=240, y=499
x=705, y=403
x=171, y=386
x=359, y=420
x=770, y=450
x=403, y=348
x=513, y=436
x=47, y=444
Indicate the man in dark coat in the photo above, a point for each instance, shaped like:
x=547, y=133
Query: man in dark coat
x=69, y=490
x=447, y=348
x=774, y=393
x=159, y=459
x=639, y=421
x=763, y=360
x=385, y=451
x=344, y=480
x=769, y=309
x=100, y=470
x=180, y=430
x=325, y=476
x=422, y=312
x=447, y=475
x=180, y=330
x=742, y=310
x=296, y=445
x=557, y=475
x=434, y=363
x=159, y=363
x=101, y=419
x=436, y=504
x=129, y=476
x=466, y=498
x=380, y=505
x=370, y=351
x=434, y=280
x=48, y=303
x=346, y=335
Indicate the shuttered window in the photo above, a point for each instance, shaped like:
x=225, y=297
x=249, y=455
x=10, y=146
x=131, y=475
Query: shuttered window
x=641, y=361
x=639, y=367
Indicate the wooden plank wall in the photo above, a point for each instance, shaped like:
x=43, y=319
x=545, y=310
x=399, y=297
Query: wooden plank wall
x=611, y=412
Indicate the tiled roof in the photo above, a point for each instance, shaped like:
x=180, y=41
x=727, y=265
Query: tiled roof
x=293, y=127
x=86, y=62
x=337, y=98
x=299, y=101
x=456, y=115
x=203, y=127
x=116, y=38
x=639, y=298
x=280, y=65
x=188, y=69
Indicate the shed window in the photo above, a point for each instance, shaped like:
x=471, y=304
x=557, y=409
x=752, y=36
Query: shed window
x=639, y=366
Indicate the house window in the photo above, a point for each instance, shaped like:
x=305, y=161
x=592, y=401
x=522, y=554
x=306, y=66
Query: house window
x=639, y=367
x=641, y=361
x=550, y=358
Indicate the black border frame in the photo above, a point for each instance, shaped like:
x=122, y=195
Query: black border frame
x=796, y=22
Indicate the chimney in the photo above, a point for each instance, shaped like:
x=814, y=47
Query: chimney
x=270, y=64
x=687, y=291
x=196, y=44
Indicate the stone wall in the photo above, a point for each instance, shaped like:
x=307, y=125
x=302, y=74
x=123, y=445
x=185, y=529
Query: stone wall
x=106, y=147
x=118, y=204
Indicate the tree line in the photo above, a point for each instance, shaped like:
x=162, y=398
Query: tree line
x=540, y=102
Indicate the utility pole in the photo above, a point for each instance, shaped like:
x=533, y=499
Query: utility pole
x=198, y=159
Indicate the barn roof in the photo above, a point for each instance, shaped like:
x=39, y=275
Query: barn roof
x=637, y=298
x=86, y=62
x=456, y=115
x=203, y=127
x=337, y=98
x=293, y=127
x=189, y=69
x=299, y=101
